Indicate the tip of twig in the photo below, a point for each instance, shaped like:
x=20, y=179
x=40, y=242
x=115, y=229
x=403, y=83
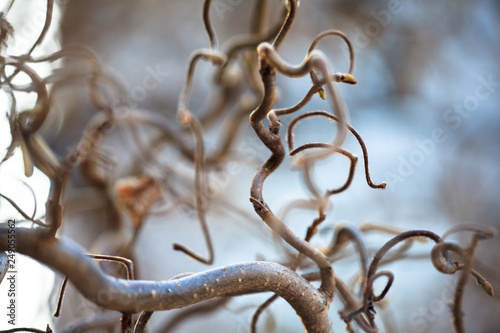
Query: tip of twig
x=488, y=288
x=322, y=93
x=488, y=232
x=347, y=78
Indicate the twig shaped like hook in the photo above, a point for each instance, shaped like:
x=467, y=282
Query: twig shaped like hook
x=293, y=151
x=187, y=119
x=127, y=264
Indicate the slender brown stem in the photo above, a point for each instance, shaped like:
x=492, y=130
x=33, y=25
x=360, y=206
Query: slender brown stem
x=208, y=25
x=480, y=231
x=215, y=57
x=352, y=58
x=345, y=233
x=467, y=256
x=311, y=231
x=57, y=313
x=285, y=28
x=368, y=296
x=293, y=150
x=272, y=140
x=28, y=218
x=127, y=264
x=187, y=119
x=259, y=311
x=31, y=121
x=48, y=19
x=390, y=280
x=199, y=167
x=141, y=323
x=260, y=15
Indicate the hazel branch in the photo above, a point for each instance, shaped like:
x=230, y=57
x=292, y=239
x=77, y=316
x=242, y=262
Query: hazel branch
x=137, y=295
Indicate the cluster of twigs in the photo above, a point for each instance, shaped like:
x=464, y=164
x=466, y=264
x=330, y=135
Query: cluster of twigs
x=254, y=78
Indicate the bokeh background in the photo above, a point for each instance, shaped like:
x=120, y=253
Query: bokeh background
x=426, y=103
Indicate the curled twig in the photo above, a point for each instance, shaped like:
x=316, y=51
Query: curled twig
x=187, y=119
x=293, y=150
x=313, y=61
x=272, y=141
x=368, y=296
x=390, y=279
x=345, y=233
x=199, y=163
x=352, y=59
x=46, y=25
x=30, y=121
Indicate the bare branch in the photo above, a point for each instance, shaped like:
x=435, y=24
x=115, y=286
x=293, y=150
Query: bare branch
x=134, y=296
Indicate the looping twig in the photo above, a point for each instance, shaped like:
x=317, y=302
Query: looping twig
x=46, y=25
x=187, y=119
x=345, y=233
x=30, y=121
x=368, y=296
x=352, y=59
x=293, y=150
x=390, y=279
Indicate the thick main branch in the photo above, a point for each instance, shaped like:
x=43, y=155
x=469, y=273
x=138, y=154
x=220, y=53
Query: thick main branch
x=136, y=295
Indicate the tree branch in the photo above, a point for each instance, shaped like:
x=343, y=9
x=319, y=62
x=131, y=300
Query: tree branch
x=139, y=295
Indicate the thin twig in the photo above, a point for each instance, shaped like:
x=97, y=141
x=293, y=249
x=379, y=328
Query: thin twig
x=127, y=263
x=208, y=25
x=187, y=119
x=293, y=150
x=140, y=325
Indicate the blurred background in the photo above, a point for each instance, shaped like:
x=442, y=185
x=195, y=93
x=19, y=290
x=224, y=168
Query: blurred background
x=426, y=103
